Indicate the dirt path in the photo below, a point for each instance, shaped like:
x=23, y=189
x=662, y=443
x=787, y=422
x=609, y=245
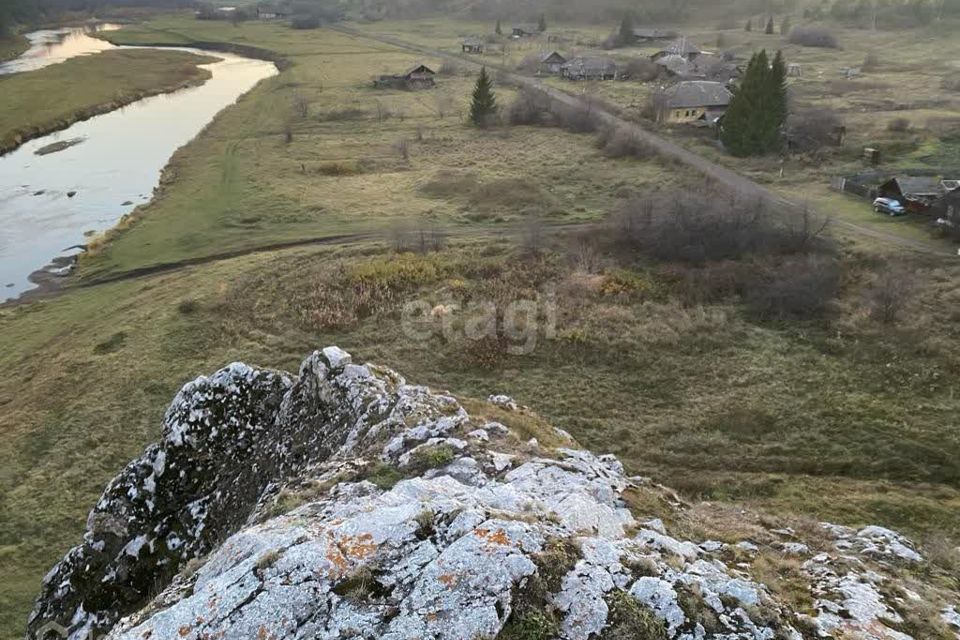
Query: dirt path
x=731, y=179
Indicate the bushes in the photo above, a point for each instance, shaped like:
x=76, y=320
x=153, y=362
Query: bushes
x=623, y=143
x=813, y=36
x=642, y=69
x=531, y=107
x=697, y=228
x=813, y=128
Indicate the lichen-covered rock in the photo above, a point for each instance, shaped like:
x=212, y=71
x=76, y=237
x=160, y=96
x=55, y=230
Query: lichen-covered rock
x=346, y=504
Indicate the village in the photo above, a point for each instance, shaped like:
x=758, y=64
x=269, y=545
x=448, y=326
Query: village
x=687, y=90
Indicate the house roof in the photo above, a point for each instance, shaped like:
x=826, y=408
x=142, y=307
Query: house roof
x=677, y=65
x=697, y=93
x=591, y=66
x=473, y=42
x=527, y=27
x=682, y=47
x=919, y=185
x=419, y=68
x=556, y=55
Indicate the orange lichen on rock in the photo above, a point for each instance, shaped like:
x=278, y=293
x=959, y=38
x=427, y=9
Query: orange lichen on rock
x=494, y=537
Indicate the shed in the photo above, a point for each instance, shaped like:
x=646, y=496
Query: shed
x=552, y=62
x=527, y=30
x=678, y=66
x=473, y=45
x=590, y=69
x=692, y=102
x=916, y=193
x=417, y=77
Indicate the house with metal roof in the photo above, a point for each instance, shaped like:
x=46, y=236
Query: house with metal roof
x=693, y=102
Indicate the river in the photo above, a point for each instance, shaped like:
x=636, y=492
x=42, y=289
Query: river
x=54, y=201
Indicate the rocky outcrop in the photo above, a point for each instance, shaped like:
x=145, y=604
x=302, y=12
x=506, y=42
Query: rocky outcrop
x=344, y=503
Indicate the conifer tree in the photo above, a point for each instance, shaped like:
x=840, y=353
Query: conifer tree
x=542, y=23
x=484, y=104
x=626, y=29
x=498, y=29
x=754, y=120
x=769, y=29
x=749, y=25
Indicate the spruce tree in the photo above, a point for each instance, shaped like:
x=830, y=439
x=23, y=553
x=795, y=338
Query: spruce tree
x=498, y=29
x=743, y=126
x=484, y=104
x=542, y=23
x=749, y=25
x=753, y=123
x=626, y=29
x=769, y=29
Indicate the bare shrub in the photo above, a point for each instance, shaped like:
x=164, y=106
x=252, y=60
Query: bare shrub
x=898, y=125
x=533, y=234
x=287, y=133
x=888, y=295
x=642, y=69
x=577, y=119
x=950, y=83
x=697, y=228
x=803, y=287
x=530, y=107
x=402, y=147
x=812, y=128
x=871, y=62
x=300, y=105
x=813, y=36
x=622, y=143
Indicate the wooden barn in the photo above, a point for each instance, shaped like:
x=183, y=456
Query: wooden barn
x=419, y=77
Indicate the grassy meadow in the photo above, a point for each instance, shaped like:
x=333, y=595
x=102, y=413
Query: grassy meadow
x=904, y=100
x=35, y=103
x=666, y=363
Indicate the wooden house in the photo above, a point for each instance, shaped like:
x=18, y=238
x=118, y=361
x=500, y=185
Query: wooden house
x=473, y=45
x=419, y=77
x=693, y=102
x=918, y=194
x=551, y=63
x=525, y=30
x=590, y=69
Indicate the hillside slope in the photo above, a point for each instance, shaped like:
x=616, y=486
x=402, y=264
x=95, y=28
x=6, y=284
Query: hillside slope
x=345, y=503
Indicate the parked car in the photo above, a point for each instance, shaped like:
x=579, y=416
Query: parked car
x=889, y=206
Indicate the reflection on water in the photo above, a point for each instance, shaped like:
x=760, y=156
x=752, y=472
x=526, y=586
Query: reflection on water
x=114, y=169
x=51, y=46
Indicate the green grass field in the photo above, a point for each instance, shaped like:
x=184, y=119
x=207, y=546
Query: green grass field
x=837, y=417
x=35, y=103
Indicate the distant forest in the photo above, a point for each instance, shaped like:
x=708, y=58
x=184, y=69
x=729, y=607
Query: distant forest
x=882, y=13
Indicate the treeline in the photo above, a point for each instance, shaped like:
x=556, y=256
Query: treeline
x=887, y=14
x=24, y=13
